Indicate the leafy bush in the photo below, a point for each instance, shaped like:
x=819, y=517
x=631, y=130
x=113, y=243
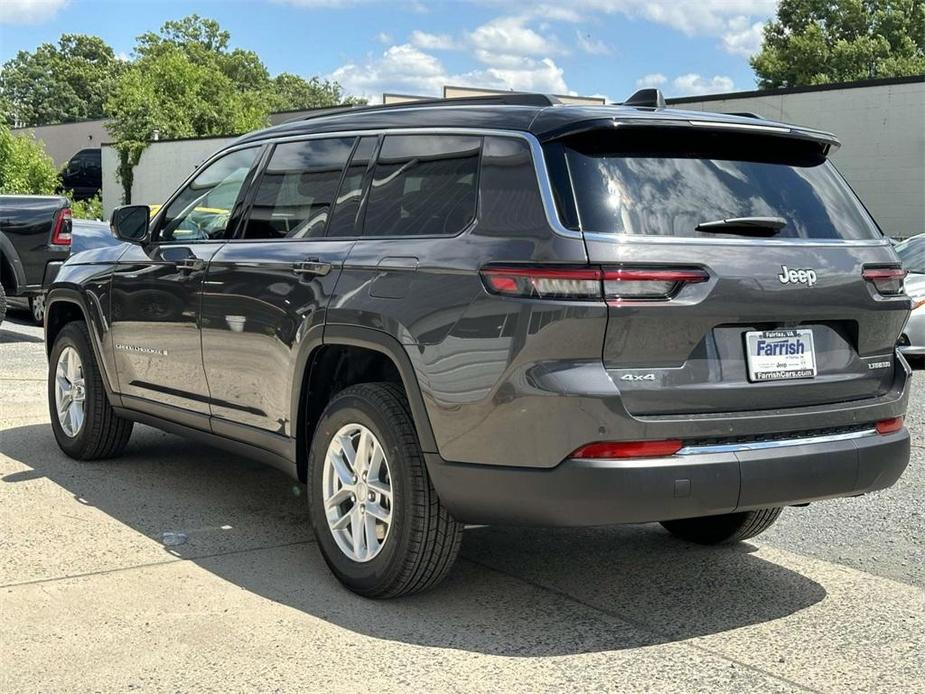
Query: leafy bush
x=25, y=169
x=91, y=208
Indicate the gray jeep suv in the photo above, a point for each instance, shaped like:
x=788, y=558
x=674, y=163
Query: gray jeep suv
x=501, y=310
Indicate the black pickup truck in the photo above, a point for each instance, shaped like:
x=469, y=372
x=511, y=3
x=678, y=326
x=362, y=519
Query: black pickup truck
x=35, y=239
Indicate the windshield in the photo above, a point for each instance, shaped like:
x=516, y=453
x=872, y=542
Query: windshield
x=912, y=254
x=663, y=183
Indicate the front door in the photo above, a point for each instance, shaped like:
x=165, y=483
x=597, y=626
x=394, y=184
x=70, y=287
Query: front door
x=267, y=290
x=157, y=289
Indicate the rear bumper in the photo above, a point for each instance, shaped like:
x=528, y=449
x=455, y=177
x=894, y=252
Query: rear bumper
x=702, y=481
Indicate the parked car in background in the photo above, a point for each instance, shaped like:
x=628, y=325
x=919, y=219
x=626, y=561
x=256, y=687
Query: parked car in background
x=912, y=254
x=35, y=239
x=501, y=310
x=82, y=176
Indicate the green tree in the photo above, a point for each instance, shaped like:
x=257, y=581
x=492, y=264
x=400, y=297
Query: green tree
x=59, y=82
x=25, y=169
x=824, y=41
x=187, y=82
x=289, y=92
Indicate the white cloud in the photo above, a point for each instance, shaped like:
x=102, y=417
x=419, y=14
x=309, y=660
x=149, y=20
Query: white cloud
x=434, y=42
x=509, y=36
x=29, y=11
x=591, y=45
x=735, y=22
x=542, y=76
x=406, y=69
x=693, y=84
x=742, y=38
x=689, y=16
x=656, y=79
x=383, y=37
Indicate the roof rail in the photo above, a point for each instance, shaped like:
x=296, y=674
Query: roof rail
x=744, y=114
x=506, y=99
x=646, y=98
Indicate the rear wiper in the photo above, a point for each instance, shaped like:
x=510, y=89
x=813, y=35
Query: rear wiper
x=752, y=226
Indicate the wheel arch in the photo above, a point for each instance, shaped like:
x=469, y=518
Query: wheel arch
x=12, y=274
x=371, y=355
x=63, y=306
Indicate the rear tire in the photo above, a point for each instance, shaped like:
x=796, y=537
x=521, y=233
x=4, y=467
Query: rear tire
x=2, y=303
x=101, y=433
x=422, y=540
x=723, y=529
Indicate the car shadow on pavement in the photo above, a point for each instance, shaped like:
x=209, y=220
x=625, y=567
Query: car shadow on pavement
x=523, y=592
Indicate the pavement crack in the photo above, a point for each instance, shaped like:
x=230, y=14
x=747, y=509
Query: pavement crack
x=174, y=560
x=668, y=637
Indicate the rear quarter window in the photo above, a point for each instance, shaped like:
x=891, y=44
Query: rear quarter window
x=423, y=185
x=665, y=183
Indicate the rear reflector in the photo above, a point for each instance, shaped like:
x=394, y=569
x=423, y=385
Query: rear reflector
x=61, y=233
x=628, y=449
x=889, y=426
x=886, y=280
x=618, y=284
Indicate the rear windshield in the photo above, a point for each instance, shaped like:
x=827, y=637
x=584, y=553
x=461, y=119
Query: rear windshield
x=663, y=182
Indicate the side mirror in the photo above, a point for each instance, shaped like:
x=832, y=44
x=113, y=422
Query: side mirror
x=130, y=223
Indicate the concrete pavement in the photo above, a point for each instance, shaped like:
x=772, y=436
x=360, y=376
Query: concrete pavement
x=92, y=600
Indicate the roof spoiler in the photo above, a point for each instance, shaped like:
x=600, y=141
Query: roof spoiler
x=647, y=98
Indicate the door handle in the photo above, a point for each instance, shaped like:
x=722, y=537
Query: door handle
x=190, y=264
x=311, y=266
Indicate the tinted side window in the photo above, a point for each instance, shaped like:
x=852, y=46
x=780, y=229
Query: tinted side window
x=203, y=208
x=423, y=185
x=297, y=189
x=344, y=218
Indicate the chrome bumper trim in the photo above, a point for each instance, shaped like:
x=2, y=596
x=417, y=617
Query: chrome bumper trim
x=782, y=443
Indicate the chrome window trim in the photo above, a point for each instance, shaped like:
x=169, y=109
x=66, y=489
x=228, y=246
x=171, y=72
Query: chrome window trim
x=783, y=443
x=546, y=191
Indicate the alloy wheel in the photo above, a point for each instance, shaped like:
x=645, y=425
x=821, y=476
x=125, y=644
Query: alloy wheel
x=70, y=393
x=37, y=306
x=357, y=492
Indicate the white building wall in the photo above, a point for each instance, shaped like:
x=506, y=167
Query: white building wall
x=882, y=131
x=163, y=167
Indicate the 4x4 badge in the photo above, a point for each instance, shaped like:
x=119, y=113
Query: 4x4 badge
x=806, y=276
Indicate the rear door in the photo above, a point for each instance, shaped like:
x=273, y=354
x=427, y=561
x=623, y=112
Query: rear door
x=267, y=290
x=735, y=318
x=156, y=289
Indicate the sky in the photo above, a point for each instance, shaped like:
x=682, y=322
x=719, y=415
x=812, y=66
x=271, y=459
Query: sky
x=588, y=47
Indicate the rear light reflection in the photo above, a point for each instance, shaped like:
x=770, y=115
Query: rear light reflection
x=628, y=449
x=889, y=426
x=611, y=285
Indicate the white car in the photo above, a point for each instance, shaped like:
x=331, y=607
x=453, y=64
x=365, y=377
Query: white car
x=912, y=254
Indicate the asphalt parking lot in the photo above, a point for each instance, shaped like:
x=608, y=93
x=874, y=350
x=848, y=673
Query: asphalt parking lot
x=831, y=599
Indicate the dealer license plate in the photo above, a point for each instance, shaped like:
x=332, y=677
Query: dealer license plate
x=780, y=355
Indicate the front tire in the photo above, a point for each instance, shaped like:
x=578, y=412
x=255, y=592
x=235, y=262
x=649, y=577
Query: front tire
x=723, y=529
x=2, y=304
x=84, y=423
x=379, y=524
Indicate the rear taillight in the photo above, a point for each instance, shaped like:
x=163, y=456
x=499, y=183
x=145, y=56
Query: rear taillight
x=889, y=426
x=613, y=285
x=61, y=232
x=544, y=283
x=628, y=449
x=641, y=284
x=886, y=280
